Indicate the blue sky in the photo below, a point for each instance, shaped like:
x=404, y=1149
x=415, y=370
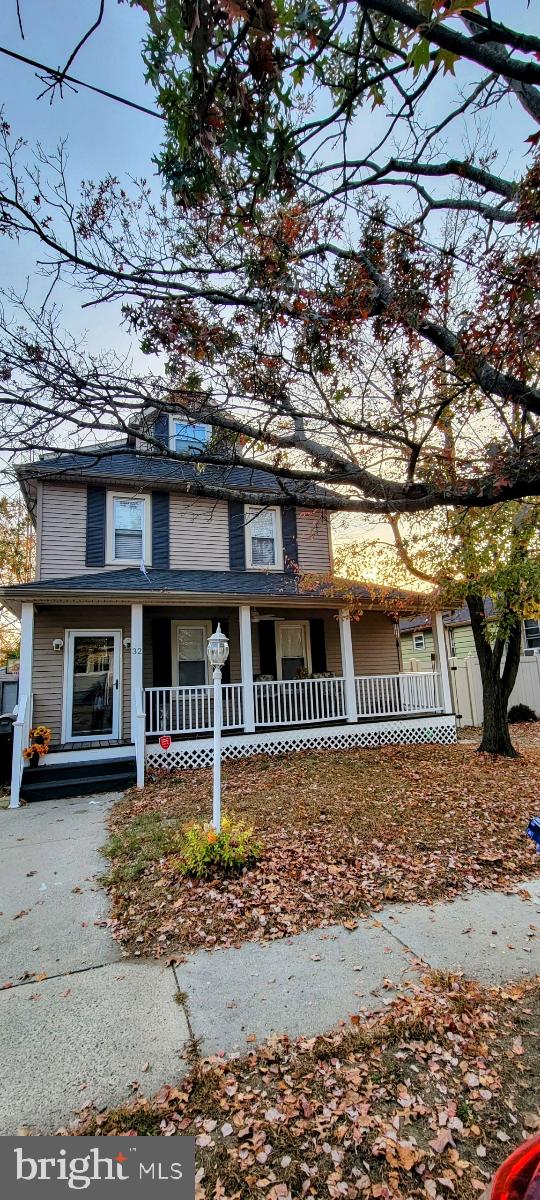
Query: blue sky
x=106, y=137
x=99, y=130
x=102, y=136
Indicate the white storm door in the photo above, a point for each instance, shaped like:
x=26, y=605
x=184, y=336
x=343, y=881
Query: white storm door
x=92, y=685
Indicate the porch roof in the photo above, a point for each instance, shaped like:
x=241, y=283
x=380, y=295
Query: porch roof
x=239, y=585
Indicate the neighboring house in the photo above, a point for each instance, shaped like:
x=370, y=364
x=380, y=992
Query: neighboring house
x=417, y=643
x=9, y=687
x=135, y=568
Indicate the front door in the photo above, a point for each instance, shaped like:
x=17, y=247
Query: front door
x=92, y=685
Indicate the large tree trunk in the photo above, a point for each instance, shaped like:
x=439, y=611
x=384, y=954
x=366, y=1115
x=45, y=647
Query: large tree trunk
x=496, y=734
x=497, y=679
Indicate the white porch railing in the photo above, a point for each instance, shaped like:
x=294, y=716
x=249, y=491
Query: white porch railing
x=20, y=736
x=299, y=701
x=191, y=709
x=398, y=695
x=289, y=702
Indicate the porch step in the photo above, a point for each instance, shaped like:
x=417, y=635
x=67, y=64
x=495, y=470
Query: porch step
x=77, y=779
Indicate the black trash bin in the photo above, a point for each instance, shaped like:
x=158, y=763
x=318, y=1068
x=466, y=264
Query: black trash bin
x=6, y=747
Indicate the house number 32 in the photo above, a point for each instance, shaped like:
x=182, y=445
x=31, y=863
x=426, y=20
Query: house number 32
x=136, y=650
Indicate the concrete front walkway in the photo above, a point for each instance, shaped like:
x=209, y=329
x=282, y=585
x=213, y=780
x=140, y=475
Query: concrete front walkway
x=79, y=1022
x=306, y=984
x=98, y=1023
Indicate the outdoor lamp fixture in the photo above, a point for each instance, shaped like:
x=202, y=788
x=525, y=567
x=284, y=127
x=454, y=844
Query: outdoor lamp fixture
x=218, y=649
x=58, y=645
x=218, y=652
x=127, y=643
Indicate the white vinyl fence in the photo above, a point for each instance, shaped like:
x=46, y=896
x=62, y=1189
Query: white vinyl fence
x=467, y=687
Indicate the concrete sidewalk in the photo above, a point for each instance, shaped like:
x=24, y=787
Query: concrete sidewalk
x=97, y=1023
x=306, y=984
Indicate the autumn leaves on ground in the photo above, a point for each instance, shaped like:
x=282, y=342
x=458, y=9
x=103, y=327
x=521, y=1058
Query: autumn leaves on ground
x=342, y=831
x=422, y=1100
x=425, y=1100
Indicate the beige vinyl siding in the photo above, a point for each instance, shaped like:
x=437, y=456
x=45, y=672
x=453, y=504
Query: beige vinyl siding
x=417, y=659
x=313, y=534
x=63, y=533
x=39, y=526
x=199, y=534
x=375, y=647
x=333, y=644
x=48, y=670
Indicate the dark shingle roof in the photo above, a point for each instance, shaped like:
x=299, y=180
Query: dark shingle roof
x=229, y=583
x=458, y=616
x=123, y=465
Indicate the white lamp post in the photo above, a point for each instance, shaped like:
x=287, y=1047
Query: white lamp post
x=218, y=653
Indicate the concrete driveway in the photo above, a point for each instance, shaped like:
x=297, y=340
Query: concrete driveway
x=77, y=1021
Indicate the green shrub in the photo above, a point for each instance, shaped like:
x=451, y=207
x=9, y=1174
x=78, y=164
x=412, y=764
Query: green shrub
x=520, y=713
x=205, y=852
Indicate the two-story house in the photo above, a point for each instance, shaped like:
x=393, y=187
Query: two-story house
x=135, y=568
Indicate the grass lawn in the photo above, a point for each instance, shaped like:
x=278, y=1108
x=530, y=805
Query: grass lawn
x=423, y=1101
x=342, y=831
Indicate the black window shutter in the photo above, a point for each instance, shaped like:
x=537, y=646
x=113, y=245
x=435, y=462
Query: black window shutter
x=160, y=529
x=237, y=542
x=226, y=670
x=318, y=645
x=290, y=540
x=161, y=428
x=161, y=652
x=96, y=499
x=267, y=648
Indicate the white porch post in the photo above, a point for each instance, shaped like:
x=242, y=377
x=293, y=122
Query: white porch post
x=246, y=666
x=138, y=721
x=347, y=664
x=21, y=727
x=442, y=661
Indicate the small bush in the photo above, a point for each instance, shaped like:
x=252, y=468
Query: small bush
x=520, y=713
x=205, y=852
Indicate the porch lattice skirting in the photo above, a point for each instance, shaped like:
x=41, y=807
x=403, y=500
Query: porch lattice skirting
x=197, y=752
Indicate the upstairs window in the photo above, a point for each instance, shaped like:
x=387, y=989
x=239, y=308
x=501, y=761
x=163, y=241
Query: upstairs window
x=129, y=529
x=263, y=539
x=419, y=641
x=189, y=435
x=532, y=635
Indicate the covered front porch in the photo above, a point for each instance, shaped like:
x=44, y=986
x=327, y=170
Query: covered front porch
x=133, y=679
